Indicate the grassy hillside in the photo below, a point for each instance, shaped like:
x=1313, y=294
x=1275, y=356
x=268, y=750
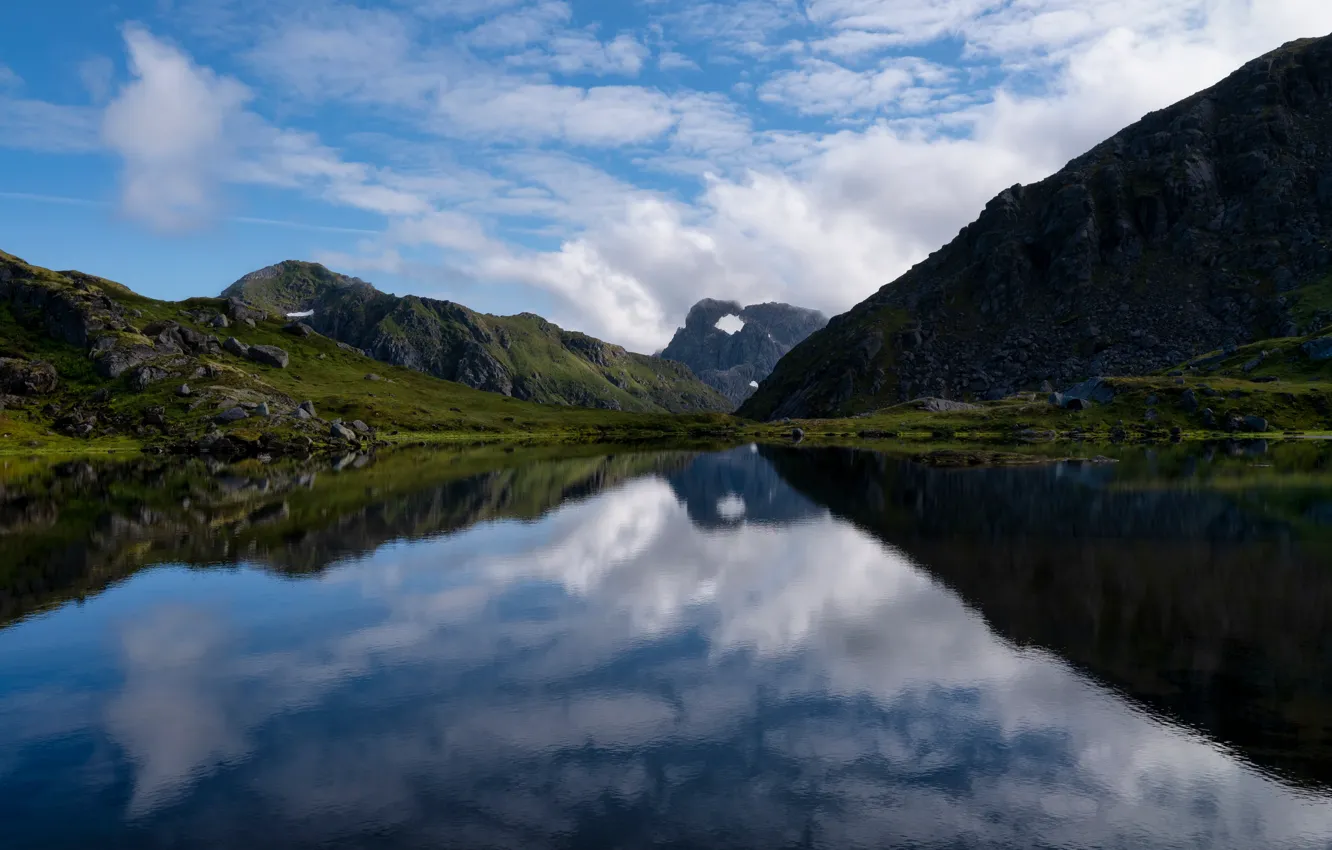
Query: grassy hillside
x=524, y=356
x=96, y=321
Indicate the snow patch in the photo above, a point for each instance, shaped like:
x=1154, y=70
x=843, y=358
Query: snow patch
x=307, y=314
x=754, y=384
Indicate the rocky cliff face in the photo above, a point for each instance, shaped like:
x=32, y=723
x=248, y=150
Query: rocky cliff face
x=523, y=356
x=1204, y=224
x=729, y=362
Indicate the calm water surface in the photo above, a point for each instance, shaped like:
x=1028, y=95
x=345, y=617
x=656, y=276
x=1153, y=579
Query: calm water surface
x=760, y=647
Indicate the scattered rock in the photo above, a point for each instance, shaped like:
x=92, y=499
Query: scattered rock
x=221, y=321
x=300, y=329
x=797, y=435
x=233, y=414
x=249, y=323
x=308, y=407
x=301, y=413
x=1047, y=387
x=1188, y=401
x=373, y=377
x=1077, y=404
x=340, y=431
x=183, y=390
x=236, y=347
x=361, y=426
x=269, y=355
x=261, y=409
x=943, y=405
x=1208, y=418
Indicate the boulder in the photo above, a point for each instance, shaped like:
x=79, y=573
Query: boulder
x=308, y=407
x=141, y=378
x=361, y=426
x=183, y=390
x=1254, y=424
x=242, y=312
x=116, y=359
x=300, y=329
x=27, y=378
x=1319, y=349
x=1188, y=401
x=261, y=409
x=236, y=347
x=373, y=377
x=233, y=414
x=1056, y=399
x=339, y=431
x=220, y=321
x=269, y=355
x=1095, y=389
x=1208, y=418
x=1077, y=404
x=301, y=413
x=797, y=435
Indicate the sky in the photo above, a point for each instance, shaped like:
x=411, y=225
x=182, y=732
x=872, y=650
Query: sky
x=605, y=163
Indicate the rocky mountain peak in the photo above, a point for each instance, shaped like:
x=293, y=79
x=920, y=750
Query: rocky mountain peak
x=734, y=363
x=291, y=286
x=1205, y=224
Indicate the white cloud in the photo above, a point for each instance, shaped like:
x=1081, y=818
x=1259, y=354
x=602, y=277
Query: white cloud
x=580, y=52
x=529, y=25
x=819, y=87
x=669, y=60
x=170, y=125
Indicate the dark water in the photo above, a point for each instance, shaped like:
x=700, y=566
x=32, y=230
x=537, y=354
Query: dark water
x=762, y=648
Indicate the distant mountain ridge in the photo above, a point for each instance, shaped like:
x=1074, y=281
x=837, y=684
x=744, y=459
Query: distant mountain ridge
x=523, y=356
x=733, y=363
x=1205, y=224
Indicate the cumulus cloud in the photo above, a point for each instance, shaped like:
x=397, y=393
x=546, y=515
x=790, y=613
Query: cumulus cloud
x=170, y=125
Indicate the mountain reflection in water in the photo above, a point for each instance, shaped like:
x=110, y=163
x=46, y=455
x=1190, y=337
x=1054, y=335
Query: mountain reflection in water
x=762, y=647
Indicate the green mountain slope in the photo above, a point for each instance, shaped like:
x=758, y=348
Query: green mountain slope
x=523, y=356
x=82, y=357
x=1204, y=225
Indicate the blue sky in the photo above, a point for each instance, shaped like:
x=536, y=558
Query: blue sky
x=603, y=163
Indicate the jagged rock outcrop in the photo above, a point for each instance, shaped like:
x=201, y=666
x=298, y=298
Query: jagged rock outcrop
x=734, y=363
x=1202, y=225
x=523, y=356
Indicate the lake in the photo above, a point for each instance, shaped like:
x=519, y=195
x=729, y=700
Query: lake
x=757, y=647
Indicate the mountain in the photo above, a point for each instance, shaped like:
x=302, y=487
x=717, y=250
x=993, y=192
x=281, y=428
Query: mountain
x=733, y=363
x=82, y=357
x=1203, y=225
x=523, y=356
